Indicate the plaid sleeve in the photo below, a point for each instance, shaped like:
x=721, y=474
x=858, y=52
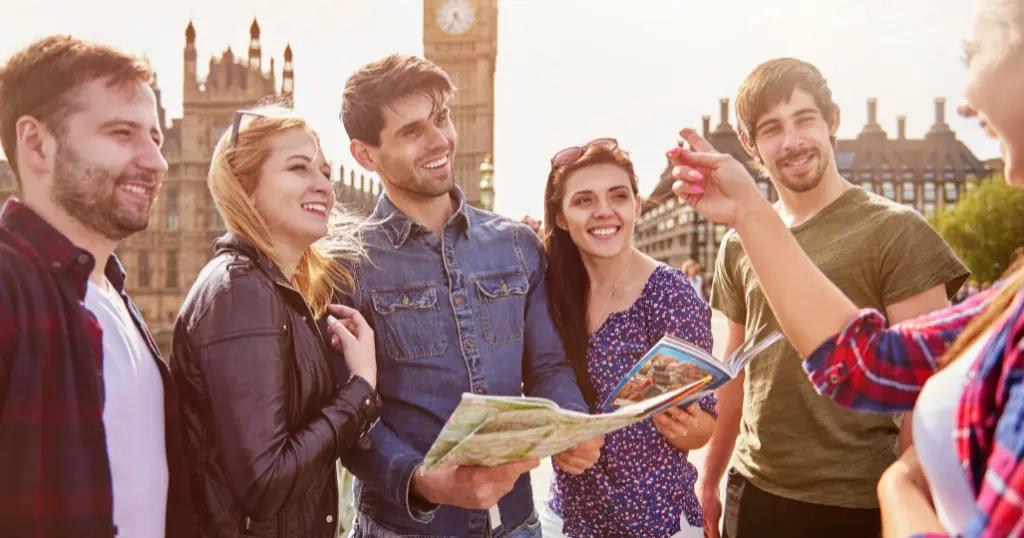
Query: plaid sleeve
x=873, y=368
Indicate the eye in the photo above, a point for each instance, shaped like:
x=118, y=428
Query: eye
x=583, y=200
x=442, y=117
x=122, y=133
x=411, y=132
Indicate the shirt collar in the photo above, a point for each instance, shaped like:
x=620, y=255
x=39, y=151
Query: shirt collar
x=399, y=227
x=64, y=258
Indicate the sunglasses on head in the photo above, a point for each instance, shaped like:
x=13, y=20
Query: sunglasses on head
x=570, y=154
x=236, y=126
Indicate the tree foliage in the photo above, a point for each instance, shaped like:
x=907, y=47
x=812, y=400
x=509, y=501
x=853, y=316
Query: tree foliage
x=985, y=227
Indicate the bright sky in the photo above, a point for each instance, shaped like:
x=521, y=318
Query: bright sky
x=568, y=70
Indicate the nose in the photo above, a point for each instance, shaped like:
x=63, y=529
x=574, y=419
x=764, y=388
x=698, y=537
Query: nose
x=437, y=138
x=792, y=140
x=151, y=159
x=603, y=208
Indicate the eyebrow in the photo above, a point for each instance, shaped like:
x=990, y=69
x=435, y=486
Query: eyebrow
x=299, y=156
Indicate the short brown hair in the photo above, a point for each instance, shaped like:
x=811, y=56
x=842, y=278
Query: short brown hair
x=39, y=80
x=772, y=83
x=377, y=84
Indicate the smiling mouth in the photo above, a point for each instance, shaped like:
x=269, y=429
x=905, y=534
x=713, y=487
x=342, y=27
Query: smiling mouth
x=436, y=164
x=316, y=208
x=798, y=161
x=604, y=232
x=137, y=189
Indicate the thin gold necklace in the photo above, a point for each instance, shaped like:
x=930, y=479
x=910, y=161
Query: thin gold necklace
x=615, y=286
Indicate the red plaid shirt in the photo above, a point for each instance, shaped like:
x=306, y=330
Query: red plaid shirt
x=54, y=472
x=870, y=367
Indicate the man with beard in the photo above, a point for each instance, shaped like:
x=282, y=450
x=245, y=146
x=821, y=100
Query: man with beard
x=89, y=442
x=803, y=466
x=458, y=302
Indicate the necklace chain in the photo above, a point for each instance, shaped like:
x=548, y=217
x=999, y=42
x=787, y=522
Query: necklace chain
x=615, y=286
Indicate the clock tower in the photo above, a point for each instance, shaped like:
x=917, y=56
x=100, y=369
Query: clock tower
x=461, y=36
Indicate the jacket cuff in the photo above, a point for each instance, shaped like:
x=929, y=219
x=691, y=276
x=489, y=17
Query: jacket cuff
x=359, y=394
x=355, y=411
x=828, y=367
x=419, y=510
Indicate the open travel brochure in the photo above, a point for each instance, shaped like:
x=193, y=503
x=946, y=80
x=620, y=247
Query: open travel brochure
x=492, y=430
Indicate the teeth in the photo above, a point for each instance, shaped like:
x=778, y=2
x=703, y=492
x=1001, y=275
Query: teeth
x=438, y=163
x=137, y=189
x=322, y=208
x=604, y=232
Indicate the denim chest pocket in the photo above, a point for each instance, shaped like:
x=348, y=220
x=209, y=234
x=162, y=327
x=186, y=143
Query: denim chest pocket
x=502, y=299
x=409, y=322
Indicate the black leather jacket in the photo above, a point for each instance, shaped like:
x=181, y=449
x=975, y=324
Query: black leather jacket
x=264, y=415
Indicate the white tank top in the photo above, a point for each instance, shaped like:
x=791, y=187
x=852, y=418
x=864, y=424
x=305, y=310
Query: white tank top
x=934, y=422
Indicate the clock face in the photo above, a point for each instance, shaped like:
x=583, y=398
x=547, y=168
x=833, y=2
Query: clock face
x=455, y=16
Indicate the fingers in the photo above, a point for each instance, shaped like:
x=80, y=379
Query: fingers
x=696, y=141
x=352, y=320
x=340, y=335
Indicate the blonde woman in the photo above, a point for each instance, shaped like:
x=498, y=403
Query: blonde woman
x=266, y=414
x=960, y=369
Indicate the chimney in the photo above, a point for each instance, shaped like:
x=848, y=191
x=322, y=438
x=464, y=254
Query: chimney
x=940, y=127
x=723, y=111
x=901, y=127
x=706, y=120
x=940, y=111
x=872, y=111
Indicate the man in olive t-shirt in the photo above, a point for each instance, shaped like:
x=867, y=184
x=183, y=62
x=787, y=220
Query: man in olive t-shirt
x=802, y=465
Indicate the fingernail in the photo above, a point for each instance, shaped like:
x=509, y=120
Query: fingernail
x=696, y=189
x=695, y=174
x=331, y=319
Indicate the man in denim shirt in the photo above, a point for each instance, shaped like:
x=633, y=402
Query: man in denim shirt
x=458, y=303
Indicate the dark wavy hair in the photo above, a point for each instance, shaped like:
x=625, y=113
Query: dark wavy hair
x=567, y=280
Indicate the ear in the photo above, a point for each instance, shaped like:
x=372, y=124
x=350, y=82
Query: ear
x=35, y=147
x=748, y=144
x=836, y=116
x=560, y=222
x=364, y=154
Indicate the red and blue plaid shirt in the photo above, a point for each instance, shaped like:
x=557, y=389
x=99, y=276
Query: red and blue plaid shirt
x=54, y=472
x=870, y=367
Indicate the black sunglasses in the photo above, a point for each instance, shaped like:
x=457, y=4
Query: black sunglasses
x=570, y=154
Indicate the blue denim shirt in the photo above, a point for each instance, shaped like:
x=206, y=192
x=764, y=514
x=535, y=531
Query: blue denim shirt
x=466, y=312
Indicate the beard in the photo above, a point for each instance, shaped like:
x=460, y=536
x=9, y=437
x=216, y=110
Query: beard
x=406, y=176
x=802, y=183
x=88, y=192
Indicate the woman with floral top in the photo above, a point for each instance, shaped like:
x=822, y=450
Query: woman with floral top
x=960, y=369
x=612, y=303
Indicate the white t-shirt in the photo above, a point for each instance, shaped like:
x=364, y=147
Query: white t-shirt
x=133, y=419
x=934, y=423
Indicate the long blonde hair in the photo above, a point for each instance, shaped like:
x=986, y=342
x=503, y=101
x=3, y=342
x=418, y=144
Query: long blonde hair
x=234, y=174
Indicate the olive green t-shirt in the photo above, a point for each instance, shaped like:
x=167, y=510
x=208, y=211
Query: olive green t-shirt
x=792, y=442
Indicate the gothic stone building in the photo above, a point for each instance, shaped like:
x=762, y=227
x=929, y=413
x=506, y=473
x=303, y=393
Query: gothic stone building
x=925, y=174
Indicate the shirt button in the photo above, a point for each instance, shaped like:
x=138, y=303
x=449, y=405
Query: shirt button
x=468, y=344
x=83, y=258
x=458, y=300
x=330, y=518
x=480, y=390
x=833, y=378
x=406, y=300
